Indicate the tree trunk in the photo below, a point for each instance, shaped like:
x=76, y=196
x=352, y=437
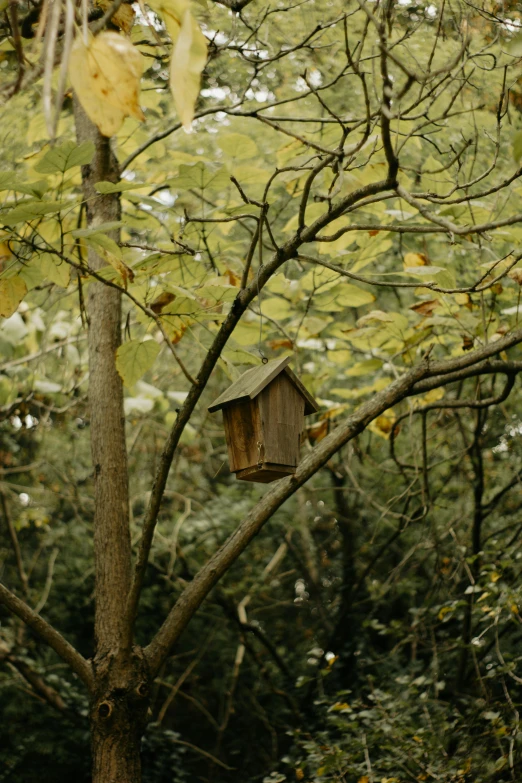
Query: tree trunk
x=119, y=718
x=121, y=691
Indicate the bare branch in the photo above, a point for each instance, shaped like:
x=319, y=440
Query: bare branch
x=50, y=635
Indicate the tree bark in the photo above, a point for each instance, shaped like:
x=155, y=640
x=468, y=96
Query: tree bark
x=118, y=720
x=119, y=698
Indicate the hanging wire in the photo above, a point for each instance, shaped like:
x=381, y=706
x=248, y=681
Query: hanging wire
x=264, y=359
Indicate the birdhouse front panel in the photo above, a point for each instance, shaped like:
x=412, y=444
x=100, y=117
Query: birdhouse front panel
x=281, y=408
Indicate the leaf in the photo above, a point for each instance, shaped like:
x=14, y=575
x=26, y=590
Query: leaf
x=383, y=424
x=239, y=356
x=415, y=259
x=10, y=180
x=172, y=13
x=199, y=175
x=99, y=229
x=277, y=308
x=134, y=358
x=238, y=146
x=189, y=55
x=105, y=74
x=55, y=270
x=188, y=60
x=162, y=301
x=107, y=249
x=364, y=368
x=517, y=146
x=117, y=187
x=30, y=210
x=124, y=16
x=515, y=46
x=12, y=291
x=66, y=156
x=353, y=296
x=425, y=307
x=516, y=275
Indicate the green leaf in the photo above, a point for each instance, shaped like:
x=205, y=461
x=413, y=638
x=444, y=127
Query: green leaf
x=55, y=270
x=364, y=368
x=515, y=46
x=134, y=358
x=31, y=211
x=352, y=296
x=10, y=180
x=238, y=146
x=105, y=188
x=102, y=240
x=200, y=176
x=517, y=146
x=59, y=159
x=276, y=308
x=239, y=356
x=217, y=293
x=89, y=232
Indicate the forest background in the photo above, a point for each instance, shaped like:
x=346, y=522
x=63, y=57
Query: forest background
x=349, y=195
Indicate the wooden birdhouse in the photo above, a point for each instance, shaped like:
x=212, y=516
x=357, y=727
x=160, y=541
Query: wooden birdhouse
x=263, y=413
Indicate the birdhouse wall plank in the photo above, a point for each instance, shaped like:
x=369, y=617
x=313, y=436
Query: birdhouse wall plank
x=243, y=432
x=281, y=408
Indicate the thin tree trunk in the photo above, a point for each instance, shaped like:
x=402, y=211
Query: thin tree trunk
x=121, y=680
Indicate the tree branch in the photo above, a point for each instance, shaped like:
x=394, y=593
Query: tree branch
x=50, y=635
x=209, y=574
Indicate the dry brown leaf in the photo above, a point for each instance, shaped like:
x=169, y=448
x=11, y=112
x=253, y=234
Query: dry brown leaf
x=162, y=301
x=426, y=307
x=316, y=432
x=124, y=16
x=276, y=345
x=105, y=74
x=232, y=278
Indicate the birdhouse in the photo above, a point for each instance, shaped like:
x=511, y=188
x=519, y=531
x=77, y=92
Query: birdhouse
x=263, y=413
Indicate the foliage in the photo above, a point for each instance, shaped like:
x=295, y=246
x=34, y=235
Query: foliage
x=371, y=631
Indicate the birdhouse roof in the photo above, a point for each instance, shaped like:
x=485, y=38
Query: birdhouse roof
x=253, y=381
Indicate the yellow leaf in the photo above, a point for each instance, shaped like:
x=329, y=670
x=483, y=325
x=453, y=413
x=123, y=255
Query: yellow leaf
x=495, y=576
x=383, y=424
x=415, y=259
x=364, y=779
x=172, y=13
x=188, y=60
x=299, y=774
x=463, y=299
x=434, y=395
x=516, y=275
x=444, y=611
x=12, y=291
x=5, y=254
x=105, y=74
